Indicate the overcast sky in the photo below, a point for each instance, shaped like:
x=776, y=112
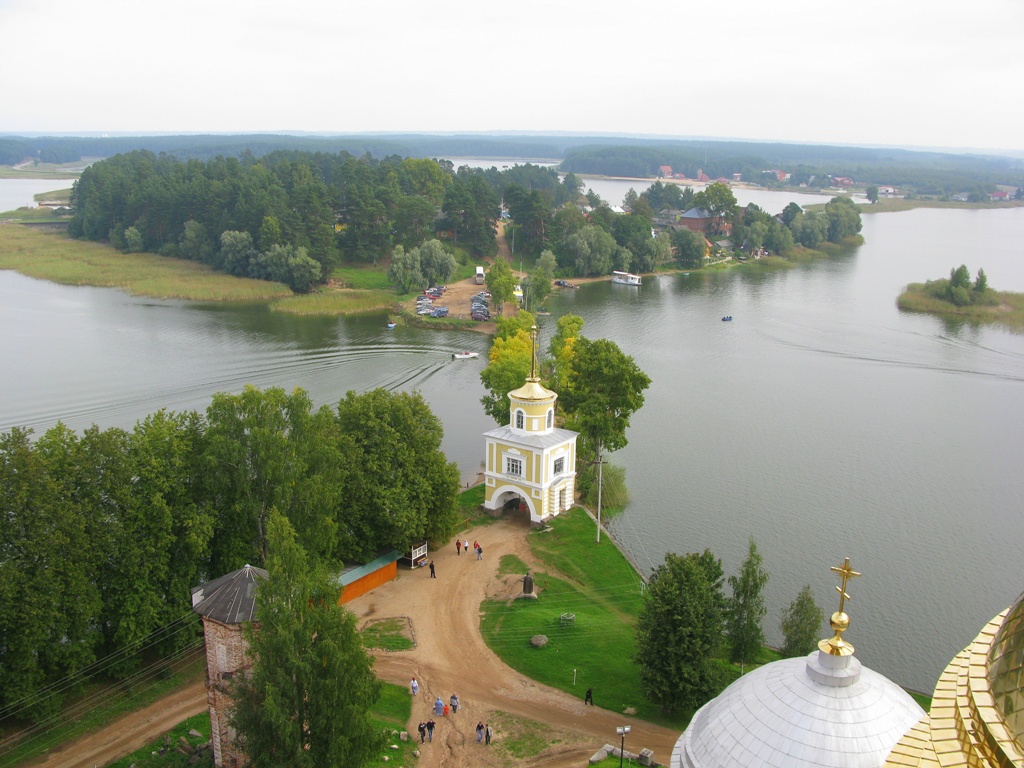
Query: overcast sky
x=939, y=73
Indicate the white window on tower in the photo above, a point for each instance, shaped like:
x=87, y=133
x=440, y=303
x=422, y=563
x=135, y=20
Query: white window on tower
x=514, y=466
x=559, y=466
x=520, y=419
x=551, y=418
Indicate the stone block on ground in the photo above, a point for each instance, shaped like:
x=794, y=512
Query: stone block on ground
x=598, y=756
x=539, y=641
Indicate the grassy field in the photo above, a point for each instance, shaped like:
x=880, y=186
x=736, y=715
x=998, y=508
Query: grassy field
x=596, y=585
x=1008, y=312
x=35, y=170
x=388, y=634
x=76, y=262
x=336, y=302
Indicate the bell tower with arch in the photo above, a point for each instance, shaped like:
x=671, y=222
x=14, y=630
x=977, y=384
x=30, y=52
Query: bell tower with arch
x=530, y=459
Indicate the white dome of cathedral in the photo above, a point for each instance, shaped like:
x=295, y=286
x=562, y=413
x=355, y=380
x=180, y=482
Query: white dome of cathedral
x=825, y=710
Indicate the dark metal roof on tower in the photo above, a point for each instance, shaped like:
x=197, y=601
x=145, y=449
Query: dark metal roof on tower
x=231, y=598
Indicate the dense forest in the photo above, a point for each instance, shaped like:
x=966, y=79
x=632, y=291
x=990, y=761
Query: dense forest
x=293, y=216
x=103, y=535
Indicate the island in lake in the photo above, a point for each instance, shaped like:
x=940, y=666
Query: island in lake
x=959, y=296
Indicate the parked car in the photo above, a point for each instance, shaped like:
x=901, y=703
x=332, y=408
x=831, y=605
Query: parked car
x=439, y=312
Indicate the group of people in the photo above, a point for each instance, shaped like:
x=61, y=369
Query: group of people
x=463, y=544
x=460, y=545
x=440, y=709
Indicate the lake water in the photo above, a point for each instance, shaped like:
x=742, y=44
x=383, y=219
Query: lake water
x=821, y=420
x=18, y=193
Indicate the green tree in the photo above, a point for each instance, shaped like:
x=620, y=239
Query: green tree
x=801, y=625
x=306, y=701
x=404, y=270
x=679, y=630
x=872, y=193
x=133, y=241
x=501, y=283
x=400, y=488
x=508, y=367
x=540, y=278
x=746, y=609
x=436, y=264
x=236, y=252
x=718, y=200
x=591, y=250
x=604, y=389
x=690, y=248
x=981, y=284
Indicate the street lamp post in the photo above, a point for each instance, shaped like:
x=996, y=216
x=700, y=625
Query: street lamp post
x=622, y=730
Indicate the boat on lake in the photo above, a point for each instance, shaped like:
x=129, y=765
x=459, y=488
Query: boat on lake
x=391, y=325
x=464, y=355
x=625, y=278
x=727, y=318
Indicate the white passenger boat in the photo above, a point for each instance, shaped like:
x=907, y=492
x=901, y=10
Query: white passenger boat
x=464, y=355
x=625, y=278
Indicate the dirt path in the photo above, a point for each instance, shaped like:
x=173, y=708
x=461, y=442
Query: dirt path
x=131, y=732
x=450, y=657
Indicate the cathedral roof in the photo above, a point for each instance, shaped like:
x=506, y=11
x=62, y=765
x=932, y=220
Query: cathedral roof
x=231, y=598
x=822, y=711
x=816, y=711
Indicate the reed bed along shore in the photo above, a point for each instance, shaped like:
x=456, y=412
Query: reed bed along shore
x=54, y=257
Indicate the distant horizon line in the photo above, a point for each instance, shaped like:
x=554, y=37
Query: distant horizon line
x=943, y=149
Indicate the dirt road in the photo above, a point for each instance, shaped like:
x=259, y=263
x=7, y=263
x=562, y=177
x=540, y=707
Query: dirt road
x=450, y=657
x=131, y=732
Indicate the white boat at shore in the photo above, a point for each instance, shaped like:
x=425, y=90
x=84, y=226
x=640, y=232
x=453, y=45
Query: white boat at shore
x=625, y=278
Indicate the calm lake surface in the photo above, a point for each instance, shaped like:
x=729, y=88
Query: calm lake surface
x=18, y=193
x=821, y=421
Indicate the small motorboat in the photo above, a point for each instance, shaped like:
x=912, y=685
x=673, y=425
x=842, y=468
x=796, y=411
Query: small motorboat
x=391, y=325
x=464, y=355
x=727, y=318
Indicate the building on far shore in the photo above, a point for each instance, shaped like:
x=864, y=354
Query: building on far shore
x=530, y=461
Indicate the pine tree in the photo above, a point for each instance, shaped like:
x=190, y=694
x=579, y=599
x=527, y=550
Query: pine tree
x=746, y=609
x=306, y=701
x=678, y=631
x=801, y=625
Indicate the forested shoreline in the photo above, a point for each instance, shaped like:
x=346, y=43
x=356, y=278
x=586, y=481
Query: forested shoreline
x=103, y=535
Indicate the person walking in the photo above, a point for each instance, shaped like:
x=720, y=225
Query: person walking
x=423, y=731
x=454, y=701
x=458, y=547
x=415, y=686
x=430, y=730
x=479, y=552
x=479, y=732
x=432, y=574
x=487, y=733
x=589, y=698
x=439, y=707
x=465, y=546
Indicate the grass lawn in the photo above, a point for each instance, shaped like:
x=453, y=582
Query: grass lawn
x=600, y=588
x=388, y=634
x=336, y=302
x=60, y=259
